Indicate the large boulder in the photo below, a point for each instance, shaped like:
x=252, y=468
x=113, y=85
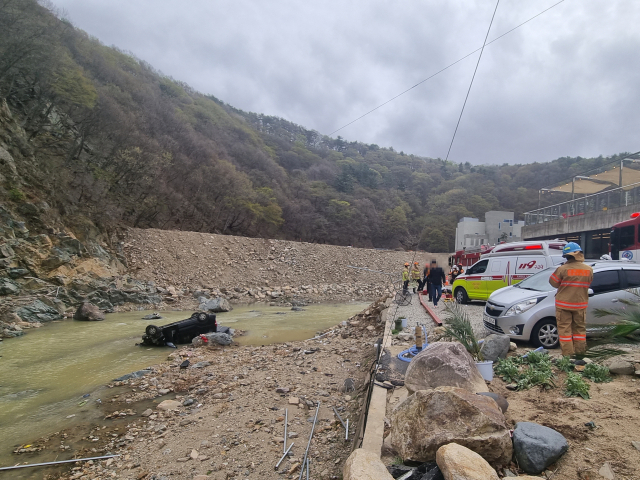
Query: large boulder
x=364, y=465
x=495, y=347
x=38, y=312
x=536, y=447
x=429, y=419
x=444, y=364
x=459, y=463
x=215, y=305
x=89, y=313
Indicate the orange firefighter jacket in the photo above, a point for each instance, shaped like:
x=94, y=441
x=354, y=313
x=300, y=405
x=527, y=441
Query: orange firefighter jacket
x=415, y=273
x=572, y=281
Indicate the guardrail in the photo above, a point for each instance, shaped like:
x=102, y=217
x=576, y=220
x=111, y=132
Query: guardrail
x=597, y=202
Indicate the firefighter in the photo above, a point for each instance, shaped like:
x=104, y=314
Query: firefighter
x=415, y=276
x=405, y=278
x=572, y=280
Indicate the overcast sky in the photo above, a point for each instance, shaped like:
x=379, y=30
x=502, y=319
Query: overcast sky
x=565, y=84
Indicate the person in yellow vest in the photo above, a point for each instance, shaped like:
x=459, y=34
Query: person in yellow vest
x=415, y=276
x=405, y=278
x=572, y=280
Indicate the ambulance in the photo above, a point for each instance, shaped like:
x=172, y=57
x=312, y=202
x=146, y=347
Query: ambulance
x=506, y=264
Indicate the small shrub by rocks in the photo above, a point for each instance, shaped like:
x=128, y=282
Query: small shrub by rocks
x=576, y=386
x=597, y=373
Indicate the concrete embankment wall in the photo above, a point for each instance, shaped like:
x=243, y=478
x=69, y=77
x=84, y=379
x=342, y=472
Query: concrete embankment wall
x=202, y=260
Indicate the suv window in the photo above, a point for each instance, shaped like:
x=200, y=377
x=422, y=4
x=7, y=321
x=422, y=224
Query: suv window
x=606, y=281
x=479, y=267
x=633, y=278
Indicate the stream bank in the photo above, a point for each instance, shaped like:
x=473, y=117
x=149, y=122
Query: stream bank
x=54, y=367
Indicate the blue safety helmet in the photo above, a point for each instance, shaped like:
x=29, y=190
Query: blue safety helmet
x=570, y=248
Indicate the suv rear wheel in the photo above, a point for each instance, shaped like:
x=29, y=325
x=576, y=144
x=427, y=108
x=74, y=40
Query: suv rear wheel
x=153, y=331
x=545, y=334
x=461, y=295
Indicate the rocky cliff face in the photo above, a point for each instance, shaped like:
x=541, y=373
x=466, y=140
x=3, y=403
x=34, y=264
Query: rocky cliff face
x=49, y=265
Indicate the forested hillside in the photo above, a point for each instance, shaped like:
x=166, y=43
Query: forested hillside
x=110, y=138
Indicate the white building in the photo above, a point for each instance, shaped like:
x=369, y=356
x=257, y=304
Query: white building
x=498, y=226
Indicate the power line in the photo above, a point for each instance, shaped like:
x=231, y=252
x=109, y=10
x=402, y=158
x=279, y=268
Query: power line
x=472, y=78
x=447, y=67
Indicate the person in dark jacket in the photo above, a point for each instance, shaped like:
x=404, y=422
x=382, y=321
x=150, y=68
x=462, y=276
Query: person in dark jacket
x=436, y=278
x=425, y=280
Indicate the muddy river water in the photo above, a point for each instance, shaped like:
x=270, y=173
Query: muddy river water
x=45, y=376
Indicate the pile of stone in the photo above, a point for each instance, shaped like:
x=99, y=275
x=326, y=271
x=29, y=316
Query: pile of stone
x=451, y=419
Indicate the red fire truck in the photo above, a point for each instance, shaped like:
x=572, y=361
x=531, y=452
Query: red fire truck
x=468, y=257
x=625, y=239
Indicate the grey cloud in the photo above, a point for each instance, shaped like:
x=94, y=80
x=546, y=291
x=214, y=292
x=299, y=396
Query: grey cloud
x=564, y=84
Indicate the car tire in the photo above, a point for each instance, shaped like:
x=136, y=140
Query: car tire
x=545, y=334
x=153, y=331
x=461, y=295
x=202, y=317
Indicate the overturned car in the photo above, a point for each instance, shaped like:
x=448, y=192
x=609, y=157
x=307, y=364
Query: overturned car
x=182, y=331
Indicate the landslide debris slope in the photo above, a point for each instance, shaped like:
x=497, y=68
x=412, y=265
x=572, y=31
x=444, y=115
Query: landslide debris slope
x=249, y=269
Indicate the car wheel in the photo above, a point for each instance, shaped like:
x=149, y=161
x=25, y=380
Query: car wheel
x=545, y=334
x=202, y=317
x=461, y=295
x=153, y=331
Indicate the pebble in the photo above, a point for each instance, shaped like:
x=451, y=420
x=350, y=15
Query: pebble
x=147, y=412
x=294, y=400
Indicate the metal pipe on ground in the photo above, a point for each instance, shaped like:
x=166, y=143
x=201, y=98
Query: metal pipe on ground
x=306, y=452
x=285, y=454
x=73, y=460
x=286, y=418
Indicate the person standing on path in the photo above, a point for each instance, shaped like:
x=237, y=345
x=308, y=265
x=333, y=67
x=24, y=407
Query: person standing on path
x=572, y=280
x=436, y=279
x=425, y=280
x=415, y=276
x=405, y=278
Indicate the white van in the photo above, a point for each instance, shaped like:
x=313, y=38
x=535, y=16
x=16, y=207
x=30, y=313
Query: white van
x=506, y=264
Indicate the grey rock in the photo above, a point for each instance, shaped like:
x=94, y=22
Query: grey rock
x=56, y=258
x=283, y=390
x=6, y=251
x=536, y=446
x=219, y=338
x=188, y=401
x=495, y=347
x=444, y=364
x=17, y=272
x=38, y=312
x=152, y=316
x=297, y=309
x=8, y=287
x=215, y=305
x=70, y=245
x=201, y=364
x=136, y=374
x=499, y=399
x=620, y=366
x=89, y=313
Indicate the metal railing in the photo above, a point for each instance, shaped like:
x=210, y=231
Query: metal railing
x=597, y=202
